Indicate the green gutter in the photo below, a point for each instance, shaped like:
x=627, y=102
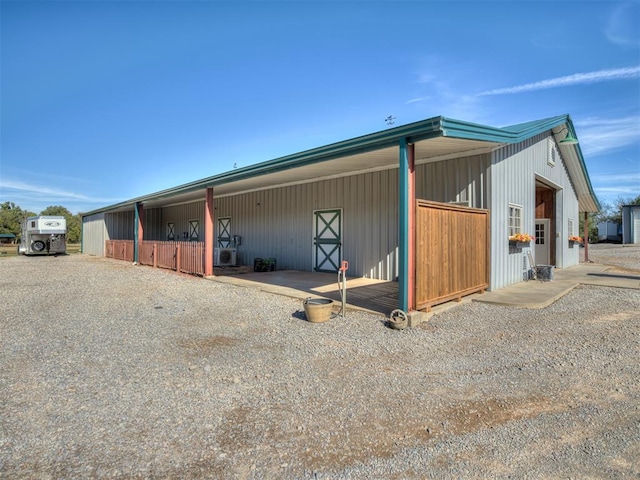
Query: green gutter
x=413, y=132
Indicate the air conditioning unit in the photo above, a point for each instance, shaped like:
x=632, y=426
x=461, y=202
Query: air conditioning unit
x=224, y=257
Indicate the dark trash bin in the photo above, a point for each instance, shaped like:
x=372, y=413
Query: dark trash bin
x=545, y=272
x=257, y=264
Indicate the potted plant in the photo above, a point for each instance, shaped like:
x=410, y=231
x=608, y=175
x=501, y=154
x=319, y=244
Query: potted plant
x=573, y=240
x=520, y=240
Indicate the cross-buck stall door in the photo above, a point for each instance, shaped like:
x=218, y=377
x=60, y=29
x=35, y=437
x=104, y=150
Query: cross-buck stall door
x=224, y=232
x=327, y=240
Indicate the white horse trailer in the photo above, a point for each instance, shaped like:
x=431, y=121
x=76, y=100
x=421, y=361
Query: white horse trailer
x=43, y=235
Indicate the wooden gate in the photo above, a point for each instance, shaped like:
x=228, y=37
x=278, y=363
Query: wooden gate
x=452, y=252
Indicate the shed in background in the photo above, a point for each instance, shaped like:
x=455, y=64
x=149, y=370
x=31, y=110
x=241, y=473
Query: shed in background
x=609, y=231
x=631, y=224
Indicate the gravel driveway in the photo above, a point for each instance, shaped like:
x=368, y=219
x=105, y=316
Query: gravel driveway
x=108, y=370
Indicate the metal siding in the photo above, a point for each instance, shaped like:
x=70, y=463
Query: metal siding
x=513, y=173
x=94, y=234
x=180, y=215
x=120, y=225
x=154, y=229
x=456, y=180
x=282, y=225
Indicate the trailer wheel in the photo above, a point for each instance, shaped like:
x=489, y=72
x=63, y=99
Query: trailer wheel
x=38, y=245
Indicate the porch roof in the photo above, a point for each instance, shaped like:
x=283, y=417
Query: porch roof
x=435, y=139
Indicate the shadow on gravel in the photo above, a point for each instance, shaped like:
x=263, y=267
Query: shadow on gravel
x=608, y=275
x=299, y=314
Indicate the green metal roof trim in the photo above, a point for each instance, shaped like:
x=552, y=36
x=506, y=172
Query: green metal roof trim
x=413, y=132
x=7, y=235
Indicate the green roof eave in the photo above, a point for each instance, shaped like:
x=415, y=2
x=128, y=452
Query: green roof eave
x=413, y=132
x=421, y=130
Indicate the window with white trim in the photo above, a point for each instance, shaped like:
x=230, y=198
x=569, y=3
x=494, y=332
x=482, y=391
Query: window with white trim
x=515, y=219
x=570, y=227
x=171, y=231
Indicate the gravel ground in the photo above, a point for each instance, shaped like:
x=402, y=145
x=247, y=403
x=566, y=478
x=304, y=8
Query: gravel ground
x=108, y=370
x=623, y=256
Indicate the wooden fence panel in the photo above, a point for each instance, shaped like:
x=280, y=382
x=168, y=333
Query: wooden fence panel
x=119, y=249
x=108, y=250
x=146, y=253
x=192, y=257
x=452, y=252
x=186, y=257
x=166, y=255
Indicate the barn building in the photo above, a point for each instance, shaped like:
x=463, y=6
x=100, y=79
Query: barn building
x=434, y=205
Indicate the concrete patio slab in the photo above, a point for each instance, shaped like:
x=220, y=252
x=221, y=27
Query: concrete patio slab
x=382, y=297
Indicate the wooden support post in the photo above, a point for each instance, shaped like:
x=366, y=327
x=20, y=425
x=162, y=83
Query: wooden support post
x=585, y=236
x=403, y=226
x=178, y=257
x=138, y=233
x=155, y=255
x=208, y=233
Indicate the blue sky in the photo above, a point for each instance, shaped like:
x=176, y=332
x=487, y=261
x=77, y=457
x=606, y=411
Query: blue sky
x=106, y=101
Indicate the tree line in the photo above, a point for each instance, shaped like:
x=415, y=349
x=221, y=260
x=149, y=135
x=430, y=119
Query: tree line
x=609, y=212
x=12, y=217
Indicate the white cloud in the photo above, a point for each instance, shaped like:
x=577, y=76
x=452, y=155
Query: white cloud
x=39, y=190
x=575, y=79
x=13, y=188
x=623, y=25
x=418, y=99
x=601, y=135
x=633, y=178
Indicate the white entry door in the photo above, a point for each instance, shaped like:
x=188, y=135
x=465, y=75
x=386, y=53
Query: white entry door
x=542, y=251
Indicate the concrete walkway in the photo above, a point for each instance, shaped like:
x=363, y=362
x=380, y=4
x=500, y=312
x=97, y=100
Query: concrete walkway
x=382, y=297
x=537, y=294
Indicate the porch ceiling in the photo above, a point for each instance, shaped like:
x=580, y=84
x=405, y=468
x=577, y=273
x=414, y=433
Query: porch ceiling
x=428, y=150
x=435, y=139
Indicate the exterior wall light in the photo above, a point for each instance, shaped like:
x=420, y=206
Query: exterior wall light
x=568, y=139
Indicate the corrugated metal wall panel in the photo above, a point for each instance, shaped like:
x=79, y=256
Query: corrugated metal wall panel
x=94, y=234
x=153, y=226
x=120, y=225
x=457, y=180
x=279, y=222
x=181, y=215
x=512, y=179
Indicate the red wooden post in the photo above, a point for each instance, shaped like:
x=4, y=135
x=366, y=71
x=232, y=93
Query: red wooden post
x=155, y=255
x=178, y=257
x=140, y=208
x=208, y=233
x=585, y=236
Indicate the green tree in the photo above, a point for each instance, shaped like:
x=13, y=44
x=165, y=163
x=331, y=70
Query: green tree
x=615, y=212
x=74, y=222
x=11, y=218
x=609, y=212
